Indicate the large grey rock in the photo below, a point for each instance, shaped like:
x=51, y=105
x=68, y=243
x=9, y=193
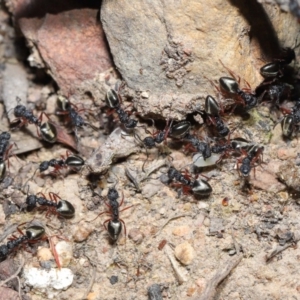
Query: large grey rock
x=169, y=49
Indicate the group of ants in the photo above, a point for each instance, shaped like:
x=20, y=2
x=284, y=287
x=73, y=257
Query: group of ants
x=273, y=89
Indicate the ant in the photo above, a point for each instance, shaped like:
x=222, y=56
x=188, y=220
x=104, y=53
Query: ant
x=113, y=101
x=48, y=131
x=65, y=107
x=197, y=186
x=211, y=115
x=196, y=145
x=245, y=163
x=71, y=160
x=62, y=208
x=230, y=86
x=5, y=149
x=114, y=226
x=4, y=143
x=32, y=235
x=224, y=148
x=290, y=121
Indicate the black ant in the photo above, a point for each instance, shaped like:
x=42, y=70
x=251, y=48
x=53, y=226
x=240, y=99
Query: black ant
x=230, y=86
x=224, y=148
x=32, y=235
x=198, y=187
x=5, y=149
x=114, y=226
x=71, y=160
x=211, y=115
x=55, y=205
x=157, y=137
x=290, y=121
x=4, y=143
x=250, y=157
x=48, y=131
x=113, y=101
x=72, y=111
x=197, y=146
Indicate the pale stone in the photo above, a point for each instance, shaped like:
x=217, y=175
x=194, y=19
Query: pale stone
x=181, y=230
x=65, y=252
x=185, y=253
x=44, y=254
x=45, y=279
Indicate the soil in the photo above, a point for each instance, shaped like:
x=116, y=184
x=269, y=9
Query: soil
x=174, y=246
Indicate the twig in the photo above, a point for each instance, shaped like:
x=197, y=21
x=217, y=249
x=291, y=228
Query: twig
x=221, y=274
x=172, y=218
x=133, y=180
x=92, y=280
x=279, y=249
x=179, y=275
x=15, y=275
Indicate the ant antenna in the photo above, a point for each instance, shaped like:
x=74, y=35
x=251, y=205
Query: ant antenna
x=30, y=178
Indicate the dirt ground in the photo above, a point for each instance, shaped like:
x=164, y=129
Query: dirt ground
x=250, y=242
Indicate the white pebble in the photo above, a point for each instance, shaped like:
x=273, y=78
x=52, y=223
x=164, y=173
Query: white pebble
x=45, y=279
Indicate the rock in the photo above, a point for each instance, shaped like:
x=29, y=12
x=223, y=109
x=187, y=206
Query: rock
x=65, y=252
x=116, y=146
x=82, y=231
x=154, y=292
x=266, y=180
x=58, y=279
x=44, y=254
x=172, y=61
x=60, y=29
x=7, y=269
x=185, y=253
x=181, y=230
x=136, y=235
x=287, y=153
x=8, y=294
x=113, y=280
x=15, y=85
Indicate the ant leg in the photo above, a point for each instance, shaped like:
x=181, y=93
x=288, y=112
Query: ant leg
x=43, y=195
x=233, y=74
x=121, y=203
x=126, y=208
x=104, y=212
x=54, y=197
x=105, y=223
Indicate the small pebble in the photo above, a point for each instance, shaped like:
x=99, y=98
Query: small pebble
x=181, y=230
x=65, y=252
x=154, y=292
x=44, y=279
x=113, y=279
x=82, y=231
x=44, y=254
x=185, y=253
x=136, y=235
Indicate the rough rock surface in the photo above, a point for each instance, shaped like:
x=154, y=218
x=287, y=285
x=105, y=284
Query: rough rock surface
x=69, y=42
x=170, y=49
